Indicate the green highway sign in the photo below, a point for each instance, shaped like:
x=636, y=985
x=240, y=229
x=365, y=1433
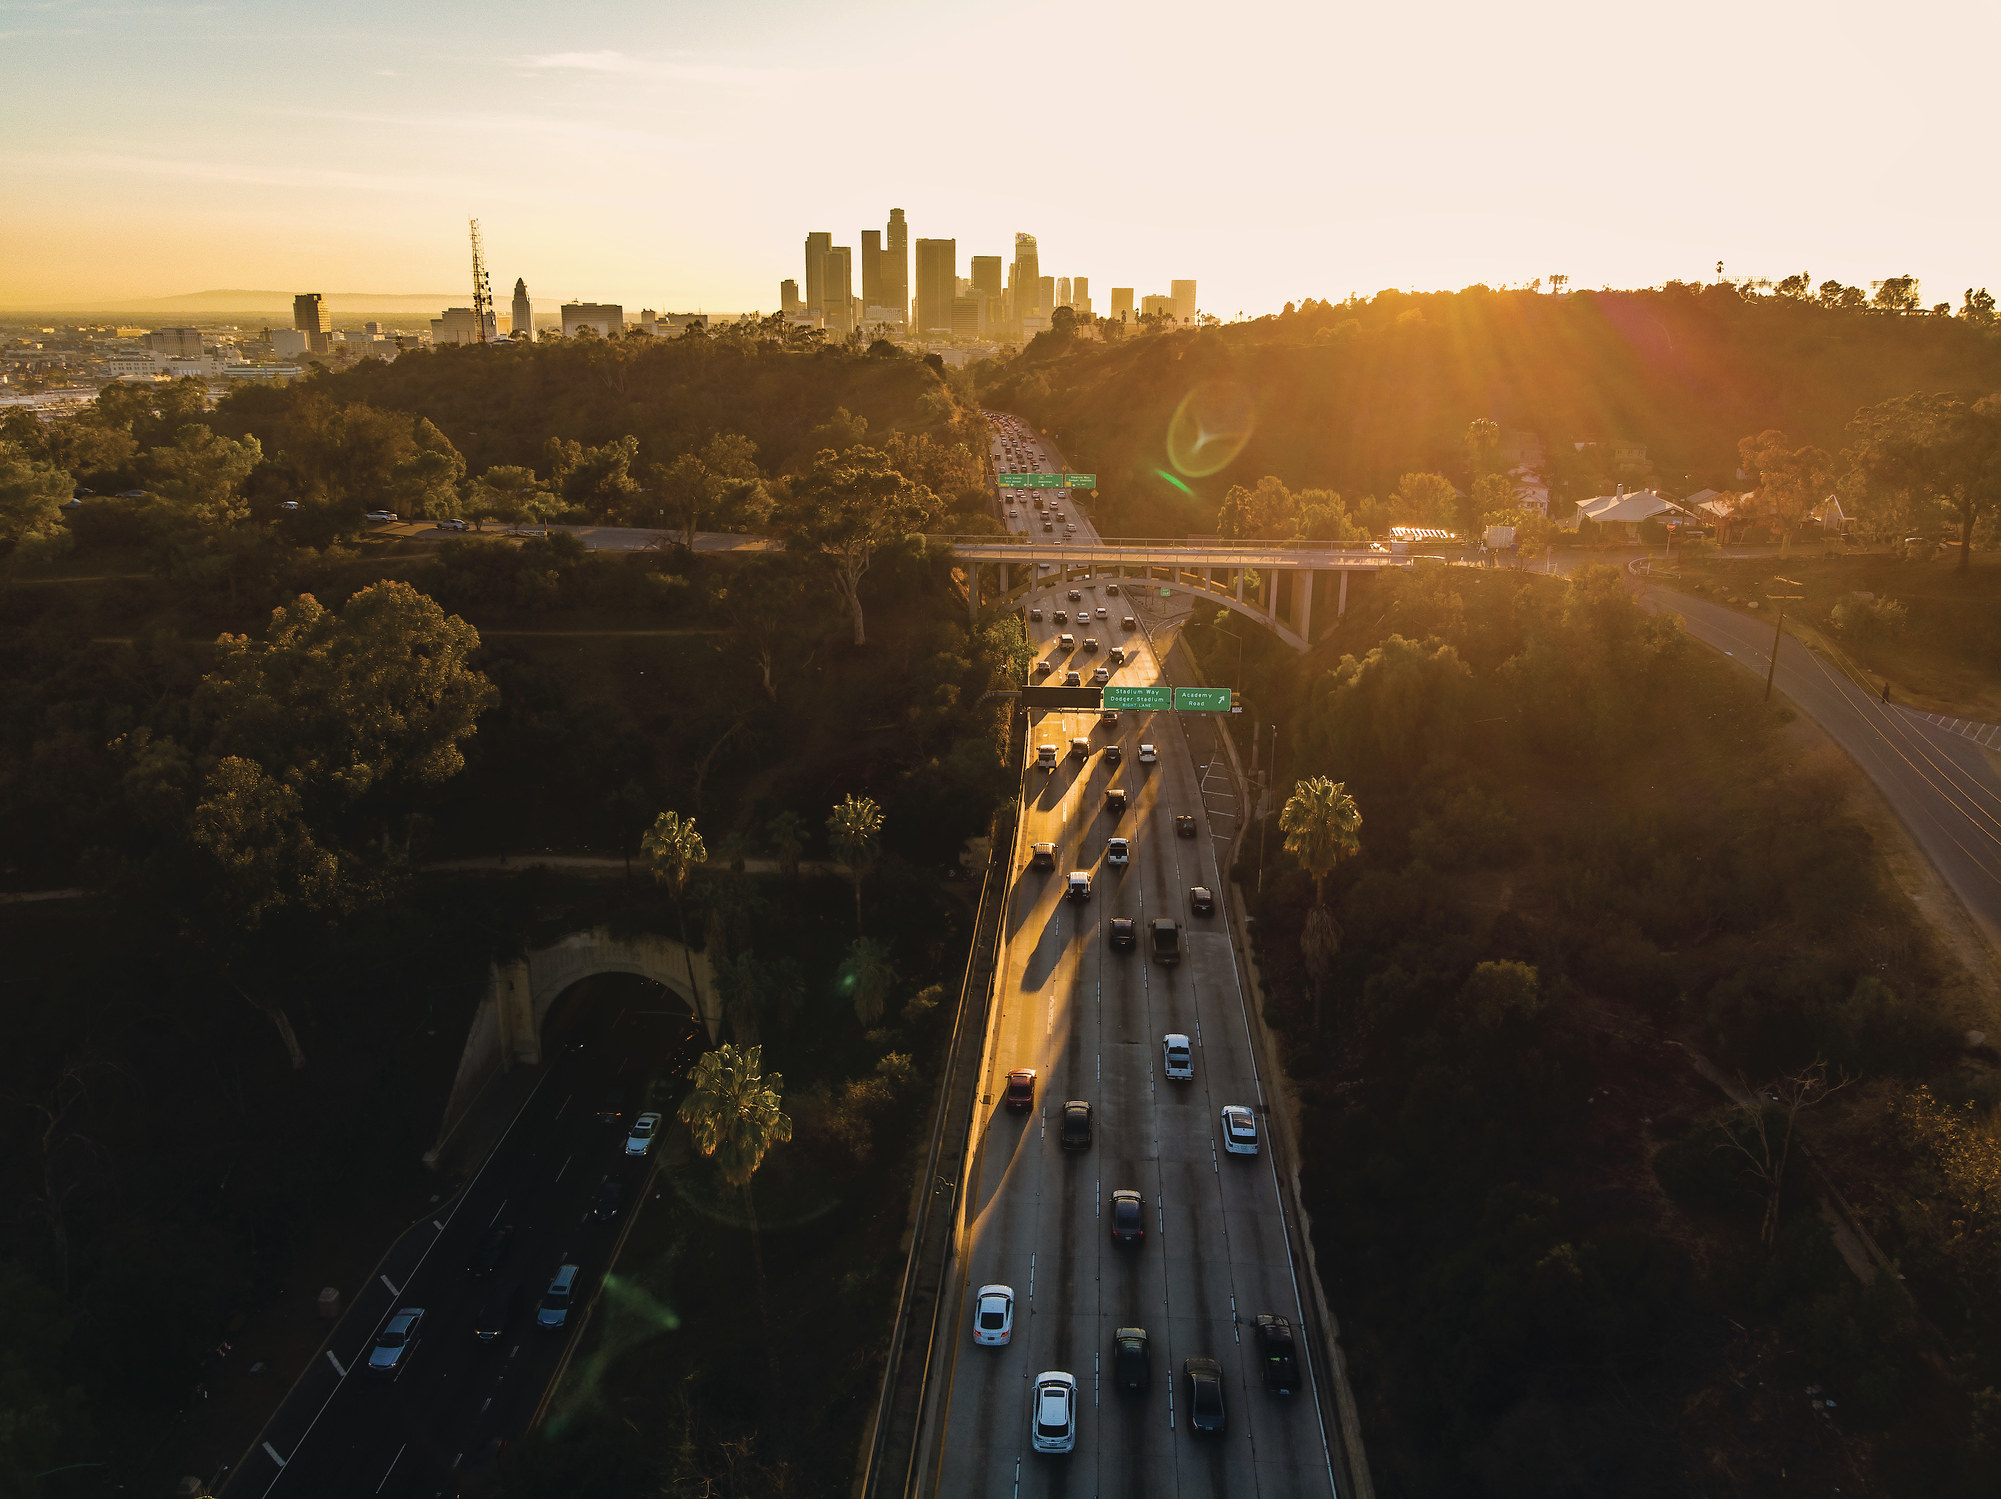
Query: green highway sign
x=1140, y=699
x=1048, y=481
x=1055, y=699
x=1202, y=700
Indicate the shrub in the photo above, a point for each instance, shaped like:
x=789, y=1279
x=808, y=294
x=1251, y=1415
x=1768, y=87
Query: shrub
x=1863, y=616
x=1472, y=829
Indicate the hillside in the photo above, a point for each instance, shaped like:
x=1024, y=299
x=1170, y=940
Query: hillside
x=1348, y=396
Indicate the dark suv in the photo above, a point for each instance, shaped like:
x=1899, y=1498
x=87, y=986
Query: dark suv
x=1128, y=1217
x=1132, y=1368
x=1276, y=1355
x=1075, y=1133
x=1205, y=1396
x=491, y=1251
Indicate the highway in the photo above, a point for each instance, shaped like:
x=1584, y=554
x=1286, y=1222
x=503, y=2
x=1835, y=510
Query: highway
x=435, y=1427
x=1090, y=1021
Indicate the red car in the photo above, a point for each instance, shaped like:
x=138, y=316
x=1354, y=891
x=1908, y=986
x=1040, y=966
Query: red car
x=1021, y=1089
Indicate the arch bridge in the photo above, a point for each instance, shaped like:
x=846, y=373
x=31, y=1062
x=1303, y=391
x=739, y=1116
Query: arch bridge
x=1277, y=584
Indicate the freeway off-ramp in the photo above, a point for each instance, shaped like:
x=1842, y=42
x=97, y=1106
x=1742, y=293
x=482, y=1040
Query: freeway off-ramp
x=1090, y=1021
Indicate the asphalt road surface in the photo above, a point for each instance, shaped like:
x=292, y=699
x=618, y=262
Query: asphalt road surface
x=1942, y=786
x=1090, y=1021
x=436, y=1425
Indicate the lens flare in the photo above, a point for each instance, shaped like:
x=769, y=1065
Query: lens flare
x=1210, y=428
x=1164, y=474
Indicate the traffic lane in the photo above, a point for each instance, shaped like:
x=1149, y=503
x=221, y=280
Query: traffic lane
x=1943, y=788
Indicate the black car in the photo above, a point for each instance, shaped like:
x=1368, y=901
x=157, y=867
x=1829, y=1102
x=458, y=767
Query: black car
x=1062, y=616
x=1201, y=901
x=1276, y=1354
x=1075, y=1133
x=1184, y=825
x=611, y=1199
x=1123, y=939
x=491, y=1251
x=1205, y=1396
x=1128, y=1217
x=501, y=1308
x=1075, y=595
x=613, y=1109
x=1035, y=616
x=1113, y=754
x=1132, y=1366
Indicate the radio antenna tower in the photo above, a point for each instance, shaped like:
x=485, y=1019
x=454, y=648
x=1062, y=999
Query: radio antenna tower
x=482, y=287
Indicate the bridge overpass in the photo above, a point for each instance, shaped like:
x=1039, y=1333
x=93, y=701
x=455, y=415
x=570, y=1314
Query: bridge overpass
x=1278, y=584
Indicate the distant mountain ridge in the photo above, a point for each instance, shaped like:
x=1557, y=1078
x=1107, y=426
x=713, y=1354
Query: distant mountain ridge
x=228, y=299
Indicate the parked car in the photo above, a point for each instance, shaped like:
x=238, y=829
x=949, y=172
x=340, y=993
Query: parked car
x=1205, y=1396
x=1128, y=1217
x=1132, y=1363
x=1075, y=1131
x=1177, y=1057
x=491, y=1251
x=1123, y=939
x=391, y=1352
x=288, y=506
x=1201, y=900
x=993, y=1316
x=1276, y=1354
x=1240, y=1129
x=379, y=516
x=1021, y=1090
x=1167, y=940
x=555, y=1308
x=1053, y=1418
x=644, y=1128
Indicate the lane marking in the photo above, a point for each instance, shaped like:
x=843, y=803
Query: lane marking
x=565, y=1167
x=387, y=1282
x=392, y=1465
x=336, y=1363
x=560, y=1107
x=497, y=1212
x=274, y=1454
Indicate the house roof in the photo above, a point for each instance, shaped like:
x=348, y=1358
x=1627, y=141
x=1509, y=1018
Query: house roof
x=1625, y=509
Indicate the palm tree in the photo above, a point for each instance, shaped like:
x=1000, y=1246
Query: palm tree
x=788, y=840
x=870, y=975
x=732, y=1112
x=673, y=850
x=1322, y=827
x=855, y=827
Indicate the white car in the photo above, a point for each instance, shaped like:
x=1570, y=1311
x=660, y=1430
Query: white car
x=288, y=505
x=1240, y=1130
x=993, y=1316
x=1052, y=1422
x=1177, y=1057
x=644, y=1128
x=1147, y=755
x=379, y=515
x=1118, y=852
x=454, y=524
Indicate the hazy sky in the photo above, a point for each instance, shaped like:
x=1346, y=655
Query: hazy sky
x=676, y=154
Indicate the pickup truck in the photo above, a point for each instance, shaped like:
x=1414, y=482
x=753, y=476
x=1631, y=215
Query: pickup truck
x=1167, y=940
x=1045, y=757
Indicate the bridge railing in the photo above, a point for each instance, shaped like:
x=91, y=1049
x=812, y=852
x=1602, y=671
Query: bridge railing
x=1166, y=544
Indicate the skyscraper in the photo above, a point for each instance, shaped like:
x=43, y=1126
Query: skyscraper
x=1122, y=303
x=788, y=295
x=1080, y=295
x=872, y=268
x=524, y=314
x=1062, y=291
x=987, y=276
x=310, y=317
x=896, y=267
x=1184, y=300
x=817, y=246
x=837, y=289
x=1026, y=281
x=937, y=282
x=1045, y=295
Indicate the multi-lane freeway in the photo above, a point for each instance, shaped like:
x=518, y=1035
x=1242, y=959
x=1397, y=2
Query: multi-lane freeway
x=1089, y=1021
x=433, y=1426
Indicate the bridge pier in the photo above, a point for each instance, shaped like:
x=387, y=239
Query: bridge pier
x=1342, y=608
x=1310, y=577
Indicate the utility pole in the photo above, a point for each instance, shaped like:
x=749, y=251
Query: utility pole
x=1778, y=629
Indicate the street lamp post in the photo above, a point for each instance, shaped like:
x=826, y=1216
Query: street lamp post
x=1778, y=629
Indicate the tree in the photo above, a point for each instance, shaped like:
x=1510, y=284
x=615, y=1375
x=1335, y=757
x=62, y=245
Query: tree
x=429, y=482
x=1493, y=495
x=687, y=491
x=202, y=475
x=673, y=850
x=510, y=493
x=1765, y=1138
x=848, y=504
x=1322, y=827
x=734, y=1116
x=32, y=494
x=1791, y=480
x=1483, y=447
x=788, y=839
x=854, y=828
x=1424, y=500
x=1897, y=294
x=868, y=975
x=597, y=480
x=1936, y=449
x=1978, y=307
x=1797, y=288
